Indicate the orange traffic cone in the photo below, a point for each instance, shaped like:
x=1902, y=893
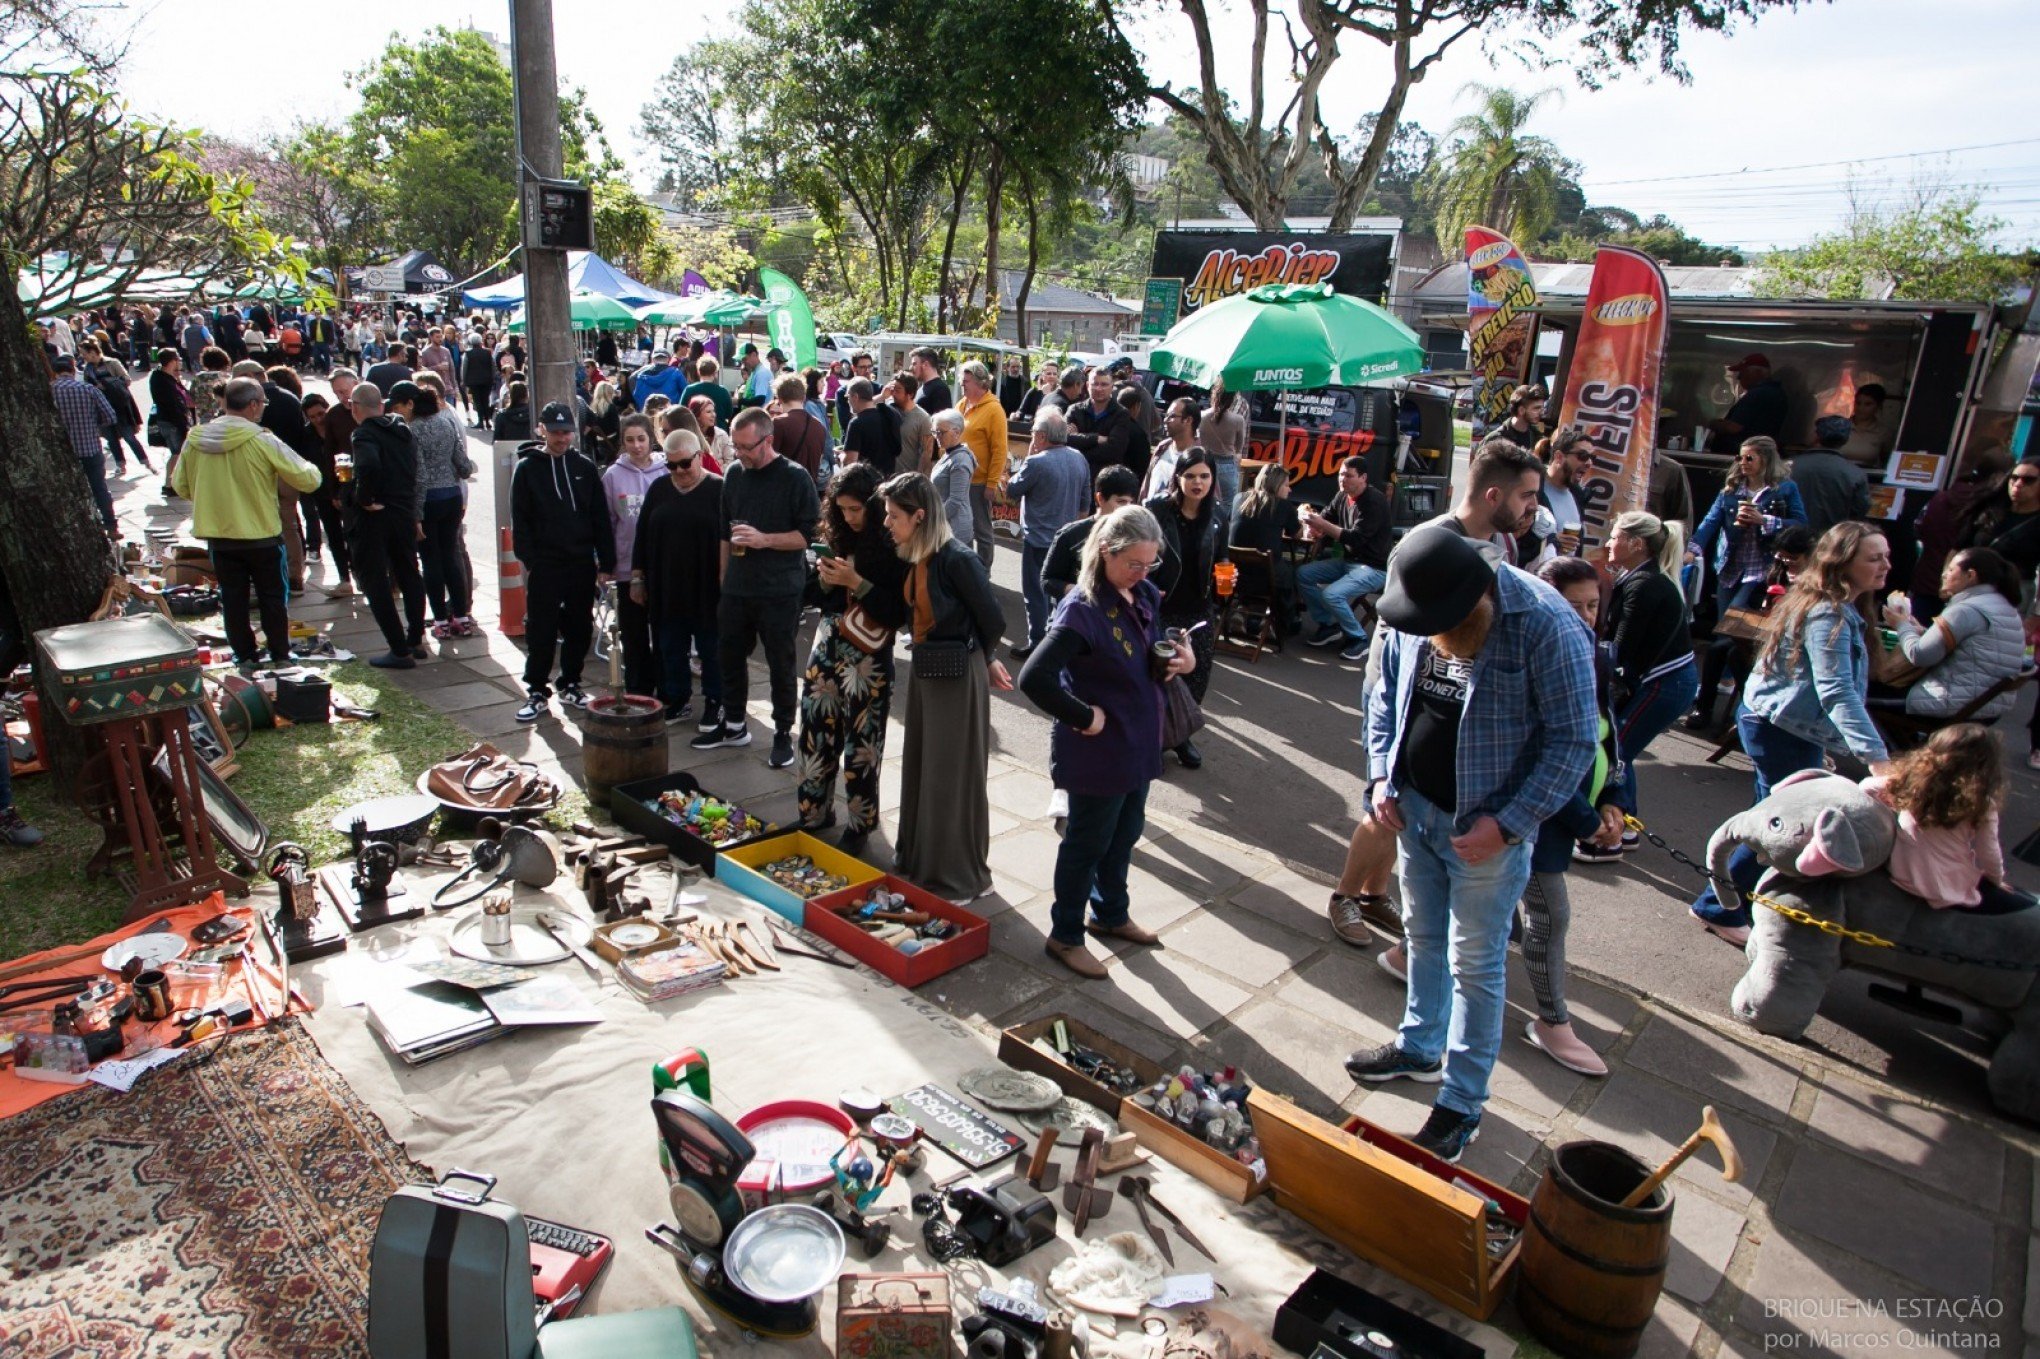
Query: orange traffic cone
x=510, y=574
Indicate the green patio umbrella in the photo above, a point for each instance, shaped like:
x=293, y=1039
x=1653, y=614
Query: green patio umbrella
x=592, y=311
x=1288, y=336
x=717, y=308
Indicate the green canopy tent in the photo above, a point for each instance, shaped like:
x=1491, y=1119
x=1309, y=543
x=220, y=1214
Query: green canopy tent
x=592, y=311
x=715, y=308
x=1288, y=337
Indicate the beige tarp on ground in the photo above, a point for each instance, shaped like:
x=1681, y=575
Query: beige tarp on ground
x=561, y=1116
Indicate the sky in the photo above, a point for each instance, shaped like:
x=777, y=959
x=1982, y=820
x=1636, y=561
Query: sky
x=1761, y=149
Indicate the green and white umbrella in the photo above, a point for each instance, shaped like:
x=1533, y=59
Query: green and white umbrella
x=716, y=308
x=592, y=311
x=1288, y=336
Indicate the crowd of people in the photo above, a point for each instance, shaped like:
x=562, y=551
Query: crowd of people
x=1510, y=685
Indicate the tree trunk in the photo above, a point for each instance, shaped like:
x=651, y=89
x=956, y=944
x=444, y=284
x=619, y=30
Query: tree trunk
x=959, y=190
x=1350, y=193
x=1033, y=258
x=995, y=192
x=53, y=552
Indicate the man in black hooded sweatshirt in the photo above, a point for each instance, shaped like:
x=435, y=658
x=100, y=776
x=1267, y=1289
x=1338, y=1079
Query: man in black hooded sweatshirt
x=560, y=531
x=385, y=514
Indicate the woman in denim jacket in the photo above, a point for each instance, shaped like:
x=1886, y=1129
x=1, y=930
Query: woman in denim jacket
x=1735, y=536
x=1805, y=698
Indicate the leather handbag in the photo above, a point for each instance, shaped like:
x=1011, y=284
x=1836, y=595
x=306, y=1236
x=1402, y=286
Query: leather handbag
x=1181, y=717
x=864, y=632
x=485, y=779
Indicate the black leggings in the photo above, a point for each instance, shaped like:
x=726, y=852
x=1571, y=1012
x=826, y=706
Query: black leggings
x=445, y=560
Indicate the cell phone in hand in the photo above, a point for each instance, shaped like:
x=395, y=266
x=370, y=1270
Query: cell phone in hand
x=822, y=549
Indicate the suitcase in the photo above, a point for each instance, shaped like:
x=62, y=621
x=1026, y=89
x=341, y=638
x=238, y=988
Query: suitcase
x=449, y=1275
x=118, y=667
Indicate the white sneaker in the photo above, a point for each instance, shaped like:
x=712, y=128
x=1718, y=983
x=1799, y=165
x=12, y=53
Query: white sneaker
x=1058, y=804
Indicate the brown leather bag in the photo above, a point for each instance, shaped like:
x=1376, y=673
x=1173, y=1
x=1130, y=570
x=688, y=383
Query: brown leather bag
x=484, y=778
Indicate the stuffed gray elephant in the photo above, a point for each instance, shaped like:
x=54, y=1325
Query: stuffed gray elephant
x=1812, y=869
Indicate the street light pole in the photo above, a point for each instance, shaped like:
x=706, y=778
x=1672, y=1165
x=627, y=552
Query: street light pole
x=548, y=327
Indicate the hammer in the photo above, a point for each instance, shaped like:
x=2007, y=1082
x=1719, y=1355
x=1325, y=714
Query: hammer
x=1710, y=1130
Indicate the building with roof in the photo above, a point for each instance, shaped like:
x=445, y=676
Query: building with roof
x=1074, y=317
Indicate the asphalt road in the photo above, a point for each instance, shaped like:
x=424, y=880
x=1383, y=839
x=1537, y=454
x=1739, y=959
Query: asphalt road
x=1282, y=769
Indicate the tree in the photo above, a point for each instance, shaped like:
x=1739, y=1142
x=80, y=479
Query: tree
x=1493, y=174
x=1259, y=153
x=1939, y=246
x=310, y=186
x=97, y=198
x=687, y=120
x=1659, y=237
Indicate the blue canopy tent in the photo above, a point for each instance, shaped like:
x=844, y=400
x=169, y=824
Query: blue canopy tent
x=587, y=272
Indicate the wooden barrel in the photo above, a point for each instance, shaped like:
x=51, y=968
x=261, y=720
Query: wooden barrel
x=1591, y=1270
x=623, y=737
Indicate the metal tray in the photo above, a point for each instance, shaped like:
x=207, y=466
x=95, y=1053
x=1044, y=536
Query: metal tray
x=530, y=942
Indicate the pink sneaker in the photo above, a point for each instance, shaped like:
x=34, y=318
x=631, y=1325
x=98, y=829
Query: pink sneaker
x=1562, y=1045
x=1395, y=963
x=1738, y=935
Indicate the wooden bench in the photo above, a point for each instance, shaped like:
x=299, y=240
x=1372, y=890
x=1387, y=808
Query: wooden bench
x=1250, y=612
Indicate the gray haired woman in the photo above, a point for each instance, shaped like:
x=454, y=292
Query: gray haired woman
x=952, y=473
x=1097, y=675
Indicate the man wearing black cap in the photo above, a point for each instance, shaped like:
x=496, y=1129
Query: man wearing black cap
x=1482, y=726
x=560, y=531
x=1759, y=406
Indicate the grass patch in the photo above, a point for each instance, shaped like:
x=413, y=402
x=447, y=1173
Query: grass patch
x=295, y=779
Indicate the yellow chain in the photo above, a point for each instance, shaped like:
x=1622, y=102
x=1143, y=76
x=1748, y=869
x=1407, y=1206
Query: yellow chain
x=1794, y=913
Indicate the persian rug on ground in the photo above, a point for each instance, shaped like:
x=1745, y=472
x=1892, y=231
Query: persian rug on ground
x=223, y=1208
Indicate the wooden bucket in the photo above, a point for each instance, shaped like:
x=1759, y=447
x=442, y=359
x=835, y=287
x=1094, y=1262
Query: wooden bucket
x=623, y=737
x=1591, y=1270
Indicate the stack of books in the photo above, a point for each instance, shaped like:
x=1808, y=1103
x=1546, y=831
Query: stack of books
x=424, y=1017
x=669, y=970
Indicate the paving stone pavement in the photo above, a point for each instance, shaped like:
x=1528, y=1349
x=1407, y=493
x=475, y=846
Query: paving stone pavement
x=1869, y=1218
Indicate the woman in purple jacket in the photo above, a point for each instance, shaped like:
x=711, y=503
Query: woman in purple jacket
x=1092, y=674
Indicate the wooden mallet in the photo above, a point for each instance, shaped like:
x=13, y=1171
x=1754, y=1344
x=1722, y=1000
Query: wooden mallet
x=1710, y=1130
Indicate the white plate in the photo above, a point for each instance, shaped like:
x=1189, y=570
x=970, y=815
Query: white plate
x=154, y=949
x=530, y=942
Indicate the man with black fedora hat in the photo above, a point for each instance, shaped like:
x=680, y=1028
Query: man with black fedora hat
x=1482, y=726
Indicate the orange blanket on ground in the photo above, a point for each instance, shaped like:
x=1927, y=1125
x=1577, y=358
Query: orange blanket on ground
x=70, y=960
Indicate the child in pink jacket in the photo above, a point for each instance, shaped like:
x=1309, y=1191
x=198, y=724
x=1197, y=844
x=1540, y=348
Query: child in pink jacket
x=1947, y=795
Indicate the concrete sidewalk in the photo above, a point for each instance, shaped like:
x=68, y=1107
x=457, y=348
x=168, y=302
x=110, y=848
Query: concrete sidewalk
x=1869, y=1219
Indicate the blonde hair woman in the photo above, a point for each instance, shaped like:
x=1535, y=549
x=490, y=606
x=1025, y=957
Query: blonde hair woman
x=945, y=817
x=1651, y=635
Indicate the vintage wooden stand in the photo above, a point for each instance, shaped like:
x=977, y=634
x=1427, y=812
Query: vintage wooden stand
x=162, y=878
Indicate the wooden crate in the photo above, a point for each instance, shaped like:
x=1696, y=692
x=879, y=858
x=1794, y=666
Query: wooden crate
x=1389, y=1202
x=1016, y=1049
x=824, y=917
x=1221, y=1172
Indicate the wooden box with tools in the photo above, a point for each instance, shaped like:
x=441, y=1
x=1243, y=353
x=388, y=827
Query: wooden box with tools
x=1393, y=1204
x=1179, y=1148
x=635, y=805
x=894, y=1316
x=828, y=916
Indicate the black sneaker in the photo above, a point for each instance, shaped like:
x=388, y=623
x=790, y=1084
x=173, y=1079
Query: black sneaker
x=393, y=660
x=571, y=694
x=16, y=831
x=1447, y=1133
x=1354, y=650
x=535, y=706
x=1389, y=1062
x=1593, y=854
x=711, y=716
x=782, y=750
x=683, y=713
x=720, y=737
x=1326, y=635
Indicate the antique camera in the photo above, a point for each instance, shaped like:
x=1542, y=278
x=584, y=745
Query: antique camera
x=1007, y=1326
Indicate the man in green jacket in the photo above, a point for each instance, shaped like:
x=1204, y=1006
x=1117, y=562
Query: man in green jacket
x=229, y=475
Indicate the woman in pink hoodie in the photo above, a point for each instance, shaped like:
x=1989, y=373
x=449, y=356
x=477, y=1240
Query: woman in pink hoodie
x=1947, y=794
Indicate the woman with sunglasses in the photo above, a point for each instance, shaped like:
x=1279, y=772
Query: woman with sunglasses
x=675, y=576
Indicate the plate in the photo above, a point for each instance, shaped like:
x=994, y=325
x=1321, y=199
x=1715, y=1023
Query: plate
x=1002, y=1087
x=154, y=948
x=1069, y=1118
x=530, y=942
x=403, y=818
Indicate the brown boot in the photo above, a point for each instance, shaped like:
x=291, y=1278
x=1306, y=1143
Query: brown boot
x=1130, y=932
x=1076, y=959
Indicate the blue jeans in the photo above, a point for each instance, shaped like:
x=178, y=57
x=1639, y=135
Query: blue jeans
x=95, y=477
x=1032, y=559
x=676, y=679
x=1777, y=755
x=1330, y=587
x=1456, y=939
x=124, y=435
x=1090, y=868
x=1654, y=706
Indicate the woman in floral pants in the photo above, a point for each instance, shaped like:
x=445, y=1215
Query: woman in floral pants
x=847, y=691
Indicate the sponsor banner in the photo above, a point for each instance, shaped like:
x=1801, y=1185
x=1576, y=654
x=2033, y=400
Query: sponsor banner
x=1611, y=386
x=788, y=316
x=1218, y=264
x=1499, y=294
x=692, y=284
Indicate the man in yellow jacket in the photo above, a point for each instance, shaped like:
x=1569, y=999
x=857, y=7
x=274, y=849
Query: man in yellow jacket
x=984, y=429
x=229, y=473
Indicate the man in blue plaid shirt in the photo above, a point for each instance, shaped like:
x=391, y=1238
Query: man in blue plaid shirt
x=87, y=415
x=1482, y=726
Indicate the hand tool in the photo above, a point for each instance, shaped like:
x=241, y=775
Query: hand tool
x=1130, y=1186
x=1710, y=1130
x=1081, y=1196
x=788, y=942
x=1043, y=1173
x=552, y=927
x=1147, y=1193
